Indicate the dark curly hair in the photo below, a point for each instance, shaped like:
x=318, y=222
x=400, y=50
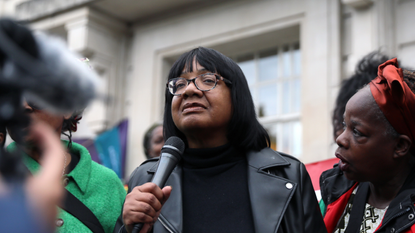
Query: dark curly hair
x=366, y=70
x=71, y=125
x=409, y=78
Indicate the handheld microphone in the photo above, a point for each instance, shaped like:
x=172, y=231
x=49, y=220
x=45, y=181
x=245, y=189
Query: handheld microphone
x=40, y=69
x=170, y=155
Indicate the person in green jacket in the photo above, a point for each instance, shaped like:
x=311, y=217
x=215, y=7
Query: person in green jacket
x=94, y=186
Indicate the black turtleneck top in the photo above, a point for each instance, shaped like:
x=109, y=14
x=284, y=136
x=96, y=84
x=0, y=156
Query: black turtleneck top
x=215, y=191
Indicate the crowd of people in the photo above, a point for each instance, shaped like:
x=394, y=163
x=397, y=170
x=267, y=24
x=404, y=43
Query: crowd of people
x=228, y=179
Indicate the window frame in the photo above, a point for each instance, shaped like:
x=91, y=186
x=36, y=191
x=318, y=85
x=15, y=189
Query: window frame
x=279, y=119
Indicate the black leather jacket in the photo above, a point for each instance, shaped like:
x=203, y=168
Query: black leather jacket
x=282, y=196
x=400, y=216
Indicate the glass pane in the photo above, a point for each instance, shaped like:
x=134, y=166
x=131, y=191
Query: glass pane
x=247, y=65
x=286, y=138
x=286, y=97
x=297, y=138
x=267, y=101
x=287, y=61
x=272, y=132
x=297, y=59
x=268, y=65
x=296, y=97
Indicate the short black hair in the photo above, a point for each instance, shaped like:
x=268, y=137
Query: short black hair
x=366, y=70
x=244, y=130
x=147, y=138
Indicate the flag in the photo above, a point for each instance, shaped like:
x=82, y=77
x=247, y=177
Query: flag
x=111, y=147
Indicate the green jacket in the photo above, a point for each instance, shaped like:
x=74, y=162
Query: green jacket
x=98, y=187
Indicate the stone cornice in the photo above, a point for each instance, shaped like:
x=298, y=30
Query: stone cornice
x=37, y=9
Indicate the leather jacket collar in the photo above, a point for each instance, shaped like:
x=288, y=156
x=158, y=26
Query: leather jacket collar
x=265, y=189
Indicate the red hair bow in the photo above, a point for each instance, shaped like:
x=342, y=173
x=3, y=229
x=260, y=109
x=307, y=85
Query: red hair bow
x=395, y=99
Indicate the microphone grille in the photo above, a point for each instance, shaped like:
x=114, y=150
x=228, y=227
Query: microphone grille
x=175, y=142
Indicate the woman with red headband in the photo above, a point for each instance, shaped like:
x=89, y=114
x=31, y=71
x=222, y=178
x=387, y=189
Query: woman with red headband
x=372, y=188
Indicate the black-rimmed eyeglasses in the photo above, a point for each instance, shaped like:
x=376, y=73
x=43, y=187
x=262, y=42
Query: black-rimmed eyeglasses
x=203, y=82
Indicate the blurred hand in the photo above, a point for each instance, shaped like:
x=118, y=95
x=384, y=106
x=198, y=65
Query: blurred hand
x=143, y=205
x=45, y=189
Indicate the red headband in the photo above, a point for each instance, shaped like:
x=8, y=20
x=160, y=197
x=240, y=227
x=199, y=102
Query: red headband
x=395, y=99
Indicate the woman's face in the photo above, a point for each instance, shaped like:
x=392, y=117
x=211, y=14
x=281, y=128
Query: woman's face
x=198, y=112
x=156, y=142
x=54, y=121
x=365, y=150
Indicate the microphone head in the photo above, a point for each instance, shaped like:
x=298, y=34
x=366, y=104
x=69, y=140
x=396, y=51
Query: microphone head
x=20, y=35
x=68, y=84
x=173, y=145
x=47, y=72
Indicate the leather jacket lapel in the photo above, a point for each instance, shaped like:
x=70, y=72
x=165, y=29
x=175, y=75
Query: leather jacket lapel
x=269, y=194
x=171, y=216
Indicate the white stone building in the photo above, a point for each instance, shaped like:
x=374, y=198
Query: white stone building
x=294, y=54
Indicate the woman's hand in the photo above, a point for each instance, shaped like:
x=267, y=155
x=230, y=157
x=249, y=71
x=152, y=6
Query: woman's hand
x=45, y=189
x=143, y=205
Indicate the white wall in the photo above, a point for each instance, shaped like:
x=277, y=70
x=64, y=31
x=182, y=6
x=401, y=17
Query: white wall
x=405, y=35
x=8, y=7
x=223, y=24
x=106, y=42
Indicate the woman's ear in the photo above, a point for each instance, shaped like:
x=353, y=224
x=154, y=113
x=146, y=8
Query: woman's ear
x=403, y=146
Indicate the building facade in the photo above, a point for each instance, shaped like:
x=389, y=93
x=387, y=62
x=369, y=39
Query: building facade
x=294, y=53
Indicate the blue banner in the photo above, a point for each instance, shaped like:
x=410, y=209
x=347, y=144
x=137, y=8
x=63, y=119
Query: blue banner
x=109, y=151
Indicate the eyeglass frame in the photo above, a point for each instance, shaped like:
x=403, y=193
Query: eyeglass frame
x=218, y=78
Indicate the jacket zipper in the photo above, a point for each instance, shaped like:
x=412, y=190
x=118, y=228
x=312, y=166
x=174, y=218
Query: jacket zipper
x=395, y=216
x=165, y=225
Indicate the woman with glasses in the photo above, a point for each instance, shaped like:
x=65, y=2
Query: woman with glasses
x=228, y=180
x=372, y=188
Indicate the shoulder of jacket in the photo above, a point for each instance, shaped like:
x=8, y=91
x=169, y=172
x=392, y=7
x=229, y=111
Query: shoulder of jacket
x=147, y=164
x=335, y=171
x=277, y=163
x=333, y=184
x=150, y=161
x=101, y=170
x=289, y=158
x=140, y=174
x=266, y=158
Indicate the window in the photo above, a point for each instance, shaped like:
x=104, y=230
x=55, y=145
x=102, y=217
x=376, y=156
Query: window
x=274, y=78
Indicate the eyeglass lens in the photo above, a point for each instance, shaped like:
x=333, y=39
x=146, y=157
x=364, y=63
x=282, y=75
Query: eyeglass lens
x=204, y=82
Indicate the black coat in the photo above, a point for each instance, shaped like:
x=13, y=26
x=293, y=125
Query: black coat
x=400, y=216
x=282, y=196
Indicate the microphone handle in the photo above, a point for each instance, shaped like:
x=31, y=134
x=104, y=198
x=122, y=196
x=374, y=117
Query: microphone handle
x=137, y=227
x=166, y=166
